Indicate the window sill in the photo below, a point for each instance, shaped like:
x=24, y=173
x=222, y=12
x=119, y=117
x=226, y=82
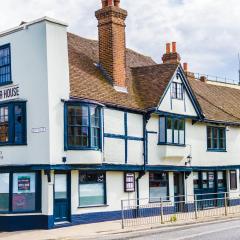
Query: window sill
x=81, y=149
x=216, y=150
x=5, y=84
x=94, y=206
x=172, y=144
x=12, y=144
x=21, y=213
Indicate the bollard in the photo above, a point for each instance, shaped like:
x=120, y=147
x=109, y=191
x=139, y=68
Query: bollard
x=122, y=214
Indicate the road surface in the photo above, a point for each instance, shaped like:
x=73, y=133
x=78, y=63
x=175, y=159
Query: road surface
x=228, y=230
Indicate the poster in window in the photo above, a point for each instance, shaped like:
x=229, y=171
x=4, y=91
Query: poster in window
x=24, y=183
x=129, y=182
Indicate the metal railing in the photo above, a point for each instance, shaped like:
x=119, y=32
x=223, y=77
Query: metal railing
x=178, y=208
x=218, y=79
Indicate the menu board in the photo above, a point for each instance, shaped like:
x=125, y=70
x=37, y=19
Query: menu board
x=24, y=183
x=129, y=182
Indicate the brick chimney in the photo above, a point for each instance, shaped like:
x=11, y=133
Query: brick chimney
x=171, y=56
x=112, y=43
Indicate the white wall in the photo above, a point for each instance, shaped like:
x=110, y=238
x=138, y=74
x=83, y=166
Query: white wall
x=29, y=70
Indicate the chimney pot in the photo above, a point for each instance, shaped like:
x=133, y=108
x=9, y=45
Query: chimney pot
x=109, y=2
x=185, y=67
x=203, y=79
x=117, y=3
x=168, y=48
x=174, y=47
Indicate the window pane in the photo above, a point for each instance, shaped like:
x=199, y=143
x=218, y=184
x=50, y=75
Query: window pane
x=211, y=179
x=19, y=124
x=162, y=129
x=5, y=74
x=196, y=179
x=215, y=138
x=169, y=130
x=4, y=124
x=179, y=91
x=91, y=189
x=24, y=198
x=60, y=186
x=158, y=184
x=233, y=180
x=176, y=131
x=95, y=138
x=95, y=116
x=220, y=175
x=174, y=90
x=4, y=192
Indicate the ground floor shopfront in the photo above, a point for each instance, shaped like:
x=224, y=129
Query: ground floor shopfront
x=54, y=198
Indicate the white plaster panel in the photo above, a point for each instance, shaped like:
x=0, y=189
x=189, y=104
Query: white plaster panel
x=135, y=152
x=135, y=125
x=83, y=157
x=113, y=121
x=114, y=151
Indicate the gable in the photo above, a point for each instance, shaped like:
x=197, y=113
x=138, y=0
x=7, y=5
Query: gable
x=178, y=97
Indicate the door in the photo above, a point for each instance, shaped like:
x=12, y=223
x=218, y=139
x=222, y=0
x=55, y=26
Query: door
x=179, y=197
x=210, y=187
x=61, y=197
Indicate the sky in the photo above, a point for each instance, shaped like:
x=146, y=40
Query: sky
x=207, y=32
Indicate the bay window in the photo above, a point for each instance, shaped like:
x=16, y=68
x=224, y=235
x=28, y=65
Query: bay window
x=83, y=126
x=13, y=123
x=171, y=131
x=20, y=192
x=92, y=190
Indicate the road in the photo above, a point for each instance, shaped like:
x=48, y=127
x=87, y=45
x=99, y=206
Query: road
x=228, y=230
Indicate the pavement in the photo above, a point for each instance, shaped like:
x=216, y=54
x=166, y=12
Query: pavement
x=113, y=230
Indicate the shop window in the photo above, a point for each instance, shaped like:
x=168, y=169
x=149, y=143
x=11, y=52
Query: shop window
x=20, y=192
x=171, y=131
x=5, y=65
x=177, y=90
x=233, y=180
x=221, y=179
x=216, y=138
x=83, y=127
x=4, y=192
x=196, y=181
x=158, y=186
x=13, y=123
x=92, y=189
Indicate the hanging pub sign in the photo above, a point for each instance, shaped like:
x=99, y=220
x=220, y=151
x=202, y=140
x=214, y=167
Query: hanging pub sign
x=9, y=92
x=129, y=182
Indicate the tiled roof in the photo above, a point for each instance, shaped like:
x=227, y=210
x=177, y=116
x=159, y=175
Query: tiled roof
x=218, y=103
x=87, y=82
x=151, y=82
x=146, y=82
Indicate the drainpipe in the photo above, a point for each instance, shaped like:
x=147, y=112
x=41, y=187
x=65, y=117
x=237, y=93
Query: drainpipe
x=140, y=175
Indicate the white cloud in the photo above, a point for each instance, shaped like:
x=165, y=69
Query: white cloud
x=207, y=31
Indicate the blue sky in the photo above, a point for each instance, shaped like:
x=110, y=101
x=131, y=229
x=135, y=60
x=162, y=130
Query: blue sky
x=207, y=32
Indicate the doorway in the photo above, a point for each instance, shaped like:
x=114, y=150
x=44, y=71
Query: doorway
x=179, y=192
x=62, y=199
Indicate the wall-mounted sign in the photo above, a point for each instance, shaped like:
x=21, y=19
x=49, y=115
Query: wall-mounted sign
x=9, y=92
x=129, y=182
x=39, y=130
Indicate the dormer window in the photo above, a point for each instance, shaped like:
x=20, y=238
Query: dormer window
x=5, y=65
x=177, y=90
x=82, y=126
